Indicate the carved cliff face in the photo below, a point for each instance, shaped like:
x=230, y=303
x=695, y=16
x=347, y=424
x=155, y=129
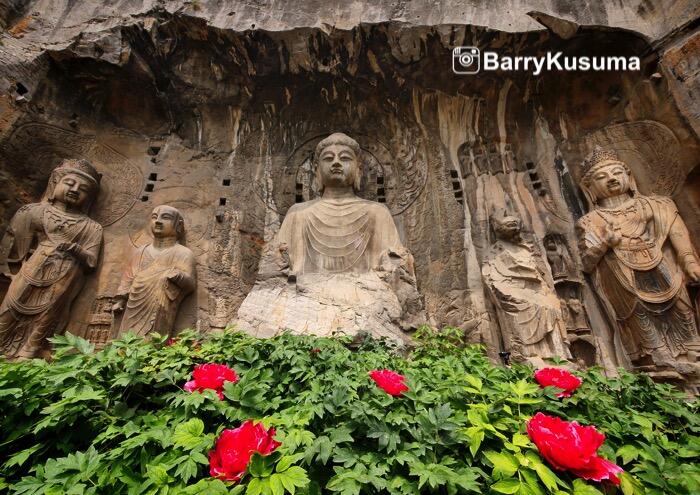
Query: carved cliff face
x=610, y=181
x=164, y=222
x=198, y=109
x=73, y=191
x=337, y=166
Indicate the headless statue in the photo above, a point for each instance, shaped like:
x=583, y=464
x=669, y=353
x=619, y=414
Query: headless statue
x=528, y=309
x=337, y=262
x=157, y=278
x=53, y=243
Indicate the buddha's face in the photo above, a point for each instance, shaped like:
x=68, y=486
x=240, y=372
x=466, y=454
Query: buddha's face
x=507, y=226
x=164, y=222
x=337, y=165
x=609, y=181
x=73, y=190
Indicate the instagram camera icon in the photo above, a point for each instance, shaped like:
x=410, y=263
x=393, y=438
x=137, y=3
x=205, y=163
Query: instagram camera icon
x=466, y=60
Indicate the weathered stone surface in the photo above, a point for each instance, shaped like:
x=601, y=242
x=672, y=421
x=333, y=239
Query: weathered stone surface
x=641, y=257
x=337, y=263
x=529, y=312
x=157, y=278
x=48, y=248
x=215, y=108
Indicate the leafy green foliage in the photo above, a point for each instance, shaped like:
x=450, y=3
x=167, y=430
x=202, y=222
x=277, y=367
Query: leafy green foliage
x=118, y=421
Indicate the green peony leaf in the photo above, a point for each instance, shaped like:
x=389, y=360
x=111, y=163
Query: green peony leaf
x=188, y=435
x=505, y=464
x=506, y=486
x=582, y=488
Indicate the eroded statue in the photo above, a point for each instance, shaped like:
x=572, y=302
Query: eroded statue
x=337, y=262
x=158, y=277
x=52, y=245
x=528, y=309
x=639, y=252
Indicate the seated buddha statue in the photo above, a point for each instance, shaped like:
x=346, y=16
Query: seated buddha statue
x=337, y=263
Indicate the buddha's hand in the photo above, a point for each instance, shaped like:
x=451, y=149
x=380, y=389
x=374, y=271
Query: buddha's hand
x=612, y=237
x=119, y=306
x=599, y=242
x=693, y=270
x=176, y=276
x=70, y=247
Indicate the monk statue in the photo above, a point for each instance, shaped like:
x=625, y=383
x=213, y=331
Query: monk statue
x=157, y=278
x=528, y=309
x=640, y=256
x=52, y=245
x=337, y=263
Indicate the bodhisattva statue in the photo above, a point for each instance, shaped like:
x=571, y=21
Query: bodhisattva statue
x=528, y=309
x=53, y=243
x=639, y=252
x=337, y=263
x=157, y=278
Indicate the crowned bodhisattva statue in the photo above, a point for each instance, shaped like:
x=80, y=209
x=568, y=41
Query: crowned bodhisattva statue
x=639, y=252
x=337, y=262
x=52, y=245
x=158, y=277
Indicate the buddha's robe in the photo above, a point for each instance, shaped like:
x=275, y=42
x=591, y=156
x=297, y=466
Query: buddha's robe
x=641, y=278
x=335, y=265
x=38, y=301
x=152, y=299
x=529, y=310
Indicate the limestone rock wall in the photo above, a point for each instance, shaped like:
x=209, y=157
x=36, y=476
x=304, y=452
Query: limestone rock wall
x=215, y=108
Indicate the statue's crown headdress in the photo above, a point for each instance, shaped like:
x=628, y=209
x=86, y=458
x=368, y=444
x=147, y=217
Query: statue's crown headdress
x=597, y=158
x=81, y=167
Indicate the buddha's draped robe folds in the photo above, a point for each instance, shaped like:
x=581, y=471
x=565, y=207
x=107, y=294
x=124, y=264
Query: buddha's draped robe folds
x=530, y=313
x=153, y=300
x=38, y=300
x=641, y=278
x=335, y=265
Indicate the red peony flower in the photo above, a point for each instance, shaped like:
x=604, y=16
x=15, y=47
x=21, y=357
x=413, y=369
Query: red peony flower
x=568, y=446
x=211, y=376
x=392, y=383
x=560, y=378
x=234, y=448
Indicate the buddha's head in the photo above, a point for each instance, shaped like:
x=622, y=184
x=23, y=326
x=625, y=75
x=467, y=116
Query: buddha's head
x=167, y=222
x=506, y=225
x=606, y=176
x=74, y=183
x=338, y=162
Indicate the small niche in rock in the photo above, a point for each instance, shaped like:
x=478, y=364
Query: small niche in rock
x=149, y=187
x=153, y=150
x=226, y=182
x=222, y=201
x=21, y=89
x=153, y=176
